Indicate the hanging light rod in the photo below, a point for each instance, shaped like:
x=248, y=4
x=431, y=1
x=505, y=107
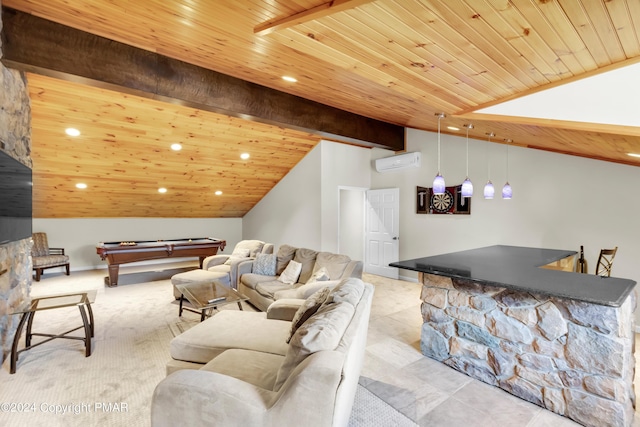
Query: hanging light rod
x=489, y=191
x=507, y=191
x=438, y=183
x=467, y=185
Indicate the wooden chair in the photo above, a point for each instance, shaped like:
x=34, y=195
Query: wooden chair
x=605, y=262
x=45, y=257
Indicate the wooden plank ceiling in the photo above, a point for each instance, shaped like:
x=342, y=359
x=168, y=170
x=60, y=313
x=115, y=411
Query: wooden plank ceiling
x=398, y=61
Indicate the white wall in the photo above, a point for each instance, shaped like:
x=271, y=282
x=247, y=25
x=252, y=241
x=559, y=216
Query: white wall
x=290, y=212
x=342, y=166
x=303, y=209
x=79, y=236
x=352, y=219
x=559, y=202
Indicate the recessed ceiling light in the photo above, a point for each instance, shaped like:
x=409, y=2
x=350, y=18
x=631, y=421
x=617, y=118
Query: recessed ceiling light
x=633, y=154
x=81, y=185
x=72, y=131
x=162, y=190
x=244, y=156
x=452, y=128
x=176, y=147
x=289, y=79
x=218, y=193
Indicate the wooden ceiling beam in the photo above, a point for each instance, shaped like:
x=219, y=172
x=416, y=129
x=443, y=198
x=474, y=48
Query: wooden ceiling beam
x=43, y=47
x=317, y=12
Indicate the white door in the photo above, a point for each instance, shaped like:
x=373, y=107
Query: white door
x=382, y=235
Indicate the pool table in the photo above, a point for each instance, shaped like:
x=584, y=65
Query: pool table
x=116, y=253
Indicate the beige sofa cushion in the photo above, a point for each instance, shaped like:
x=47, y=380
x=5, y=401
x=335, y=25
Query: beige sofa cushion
x=252, y=280
x=305, y=291
x=253, y=367
x=306, y=257
x=348, y=290
x=285, y=254
x=268, y=289
x=231, y=329
x=322, y=331
x=335, y=264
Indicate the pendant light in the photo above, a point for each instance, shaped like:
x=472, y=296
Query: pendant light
x=438, y=182
x=489, y=191
x=507, y=192
x=467, y=185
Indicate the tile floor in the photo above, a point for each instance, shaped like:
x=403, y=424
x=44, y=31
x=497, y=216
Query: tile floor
x=428, y=392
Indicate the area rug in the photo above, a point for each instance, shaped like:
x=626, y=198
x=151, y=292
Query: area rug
x=56, y=385
x=370, y=410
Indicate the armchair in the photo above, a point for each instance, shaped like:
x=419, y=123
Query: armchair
x=228, y=264
x=45, y=257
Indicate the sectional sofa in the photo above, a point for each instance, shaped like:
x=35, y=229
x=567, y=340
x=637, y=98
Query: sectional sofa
x=242, y=368
x=264, y=285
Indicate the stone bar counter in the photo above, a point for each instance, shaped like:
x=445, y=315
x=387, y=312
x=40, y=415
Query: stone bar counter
x=511, y=317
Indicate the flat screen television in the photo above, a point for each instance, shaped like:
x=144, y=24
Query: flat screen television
x=15, y=199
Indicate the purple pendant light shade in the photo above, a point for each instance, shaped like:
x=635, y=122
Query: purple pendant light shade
x=507, y=193
x=467, y=188
x=489, y=191
x=438, y=182
x=467, y=185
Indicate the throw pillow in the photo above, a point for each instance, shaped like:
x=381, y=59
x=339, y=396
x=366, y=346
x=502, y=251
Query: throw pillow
x=306, y=257
x=291, y=273
x=308, y=309
x=265, y=265
x=285, y=254
x=322, y=331
x=237, y=254
x=320, y=275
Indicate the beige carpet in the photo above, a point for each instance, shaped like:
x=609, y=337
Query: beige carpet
x=55, y=385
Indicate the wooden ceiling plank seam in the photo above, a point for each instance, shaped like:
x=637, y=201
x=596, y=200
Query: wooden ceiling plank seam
x=487, y=40
x=575, y=12
x=525, y=40
x=404, y=76
x=555, y=29
x=602, y=24
x=623, y=23
x=634, y=12
x=358, y=67
x=445, y=61
x=454, y=44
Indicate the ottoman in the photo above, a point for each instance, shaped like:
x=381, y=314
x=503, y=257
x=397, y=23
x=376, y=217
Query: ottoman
x=197, y=276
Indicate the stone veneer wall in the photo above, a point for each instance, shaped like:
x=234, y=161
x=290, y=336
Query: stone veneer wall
x=15, y=257
x=573, y=358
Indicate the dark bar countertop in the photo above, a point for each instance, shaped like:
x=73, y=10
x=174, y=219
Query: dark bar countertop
x=516, y=267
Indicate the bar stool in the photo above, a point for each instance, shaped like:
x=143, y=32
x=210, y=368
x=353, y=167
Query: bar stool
x=605, y=262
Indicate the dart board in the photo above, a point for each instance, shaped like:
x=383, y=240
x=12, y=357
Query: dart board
x=442, y=202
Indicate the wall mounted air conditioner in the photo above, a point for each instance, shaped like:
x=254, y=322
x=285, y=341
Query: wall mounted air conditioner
x=399, y=162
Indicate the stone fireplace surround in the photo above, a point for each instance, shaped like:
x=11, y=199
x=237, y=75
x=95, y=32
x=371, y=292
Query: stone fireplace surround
x=15, y=257
x=570, y=357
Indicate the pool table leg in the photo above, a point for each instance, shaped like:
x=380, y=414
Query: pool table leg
x=113, y=275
